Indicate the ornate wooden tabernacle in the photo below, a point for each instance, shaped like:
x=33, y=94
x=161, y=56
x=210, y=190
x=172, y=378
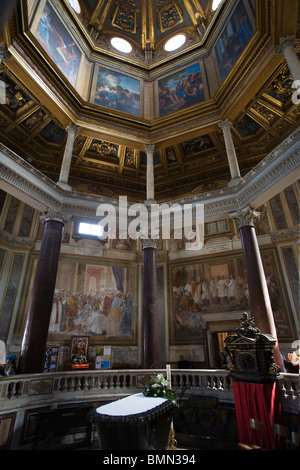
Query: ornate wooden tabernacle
x=252, y=354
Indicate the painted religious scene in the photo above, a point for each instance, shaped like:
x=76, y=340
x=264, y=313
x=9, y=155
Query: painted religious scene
x=94, y=300
x=234, y=39
x=180, y=90
x=58, y=43
x=117, y=91
x=219, y=287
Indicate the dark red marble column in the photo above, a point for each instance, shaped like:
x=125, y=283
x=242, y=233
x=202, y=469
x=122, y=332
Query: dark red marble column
x=38, y=317
x=260, y=303
x=150, y=308
x=205, y=347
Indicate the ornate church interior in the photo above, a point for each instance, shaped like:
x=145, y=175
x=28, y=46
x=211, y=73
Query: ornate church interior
x=190, y=107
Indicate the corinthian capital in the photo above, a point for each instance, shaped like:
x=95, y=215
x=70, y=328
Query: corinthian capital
x=55, y=215
x=285, y=43
x=225, y=125
x=150, y=149
x=246, y=217
x=149, y=243
x=72, y=128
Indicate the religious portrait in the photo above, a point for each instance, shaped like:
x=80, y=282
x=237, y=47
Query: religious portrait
x=117, y=91
x=79, y=346
x=220, y=286
x=58, y=43
x=233, y=40
x=180, y=90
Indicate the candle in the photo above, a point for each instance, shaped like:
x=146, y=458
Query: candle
x=169, y=373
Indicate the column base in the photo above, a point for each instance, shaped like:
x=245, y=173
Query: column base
x=234, y=181
x=65, y=186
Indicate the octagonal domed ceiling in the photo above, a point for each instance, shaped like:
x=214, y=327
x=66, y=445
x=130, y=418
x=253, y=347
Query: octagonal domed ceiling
x=61, y=67
x=146, y=26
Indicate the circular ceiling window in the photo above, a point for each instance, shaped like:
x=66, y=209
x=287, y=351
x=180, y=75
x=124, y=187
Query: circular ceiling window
x=121, y=45
x=215, y=4
x=175, y=42
x=75, y=5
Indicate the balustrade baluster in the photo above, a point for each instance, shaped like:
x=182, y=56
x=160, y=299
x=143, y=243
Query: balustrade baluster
x=63, y=384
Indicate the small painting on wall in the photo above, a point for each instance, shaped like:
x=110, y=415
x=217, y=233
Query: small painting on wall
x=79, y=346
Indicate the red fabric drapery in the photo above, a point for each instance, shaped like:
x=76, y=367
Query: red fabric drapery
x=261, y=402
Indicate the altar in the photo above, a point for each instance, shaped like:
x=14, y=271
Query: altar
x=135, y=422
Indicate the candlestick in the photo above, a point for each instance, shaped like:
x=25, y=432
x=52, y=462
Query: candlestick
x=169, y=373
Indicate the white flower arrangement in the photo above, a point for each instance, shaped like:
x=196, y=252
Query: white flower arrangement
x=160, y=387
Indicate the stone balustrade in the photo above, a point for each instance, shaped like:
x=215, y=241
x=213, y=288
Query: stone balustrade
x=22, y=396
x=102, y=385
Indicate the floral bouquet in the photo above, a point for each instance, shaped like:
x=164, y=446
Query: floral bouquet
x=79, y=359
x=160, y=387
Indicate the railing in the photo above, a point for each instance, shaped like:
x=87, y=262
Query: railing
x=96, y=386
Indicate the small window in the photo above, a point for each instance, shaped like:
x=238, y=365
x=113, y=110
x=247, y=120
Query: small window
x=121, y=45
x=215, y=4
x=75, y=5
x=93, y=230
x=219, y=226
x=175, y=42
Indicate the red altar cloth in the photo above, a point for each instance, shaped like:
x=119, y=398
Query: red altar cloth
x=261, y=402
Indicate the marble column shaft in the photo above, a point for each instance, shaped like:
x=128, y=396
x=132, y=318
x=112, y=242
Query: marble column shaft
x=150, y=149
x=260, y=303
x=151, y=356
x=205, y=347
x=38, y=317
x=231, y=154
x=67, y=158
